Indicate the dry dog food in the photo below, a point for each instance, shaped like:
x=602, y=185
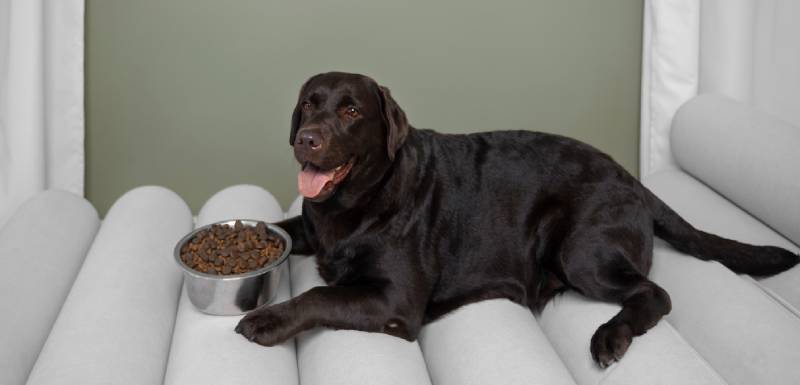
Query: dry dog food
x=225, y=250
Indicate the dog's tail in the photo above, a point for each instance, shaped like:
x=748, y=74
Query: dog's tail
x=737, y=256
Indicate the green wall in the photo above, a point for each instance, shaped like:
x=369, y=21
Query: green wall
x=196, y=95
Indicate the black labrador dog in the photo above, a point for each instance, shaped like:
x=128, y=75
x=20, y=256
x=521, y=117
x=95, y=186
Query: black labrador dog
x=409, y=224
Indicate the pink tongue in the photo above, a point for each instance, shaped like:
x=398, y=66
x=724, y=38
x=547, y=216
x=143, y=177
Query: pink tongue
x=310, y=181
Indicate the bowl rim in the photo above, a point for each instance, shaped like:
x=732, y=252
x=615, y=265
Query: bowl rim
x=287, y=240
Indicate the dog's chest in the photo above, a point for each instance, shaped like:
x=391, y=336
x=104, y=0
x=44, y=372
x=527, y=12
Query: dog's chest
x=348, y=262
x=335, y=268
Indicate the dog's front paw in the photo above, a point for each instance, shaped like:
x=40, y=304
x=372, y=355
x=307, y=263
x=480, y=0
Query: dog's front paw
x=267, y=326
x=610, y=342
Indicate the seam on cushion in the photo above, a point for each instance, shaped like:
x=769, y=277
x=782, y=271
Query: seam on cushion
x=175, y=318
x=695, y=354
x=172, y=332
x=89, y=246
x=772, y=295
x=536, y=315
x=288, y=271
x=425, y=360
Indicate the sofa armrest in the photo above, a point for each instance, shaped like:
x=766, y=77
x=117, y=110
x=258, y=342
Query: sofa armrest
x=746, y=155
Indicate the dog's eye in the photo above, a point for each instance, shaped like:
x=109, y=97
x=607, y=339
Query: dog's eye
x=351, y=112
x=307, y=106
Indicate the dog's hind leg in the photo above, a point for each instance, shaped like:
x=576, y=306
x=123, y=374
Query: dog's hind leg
x=641, y=310
x=600, y=271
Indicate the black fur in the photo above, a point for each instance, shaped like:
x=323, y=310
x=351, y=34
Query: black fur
x=426, y=223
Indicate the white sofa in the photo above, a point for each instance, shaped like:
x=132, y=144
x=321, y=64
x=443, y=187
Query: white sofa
x=126, y=319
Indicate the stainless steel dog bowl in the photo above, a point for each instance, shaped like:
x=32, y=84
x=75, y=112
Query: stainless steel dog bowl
x=238, y=293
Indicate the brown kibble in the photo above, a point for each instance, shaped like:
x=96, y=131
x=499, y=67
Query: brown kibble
x=225, y=249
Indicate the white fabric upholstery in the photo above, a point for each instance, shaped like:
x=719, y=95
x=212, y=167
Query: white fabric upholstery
x=742, y=49
x=749, y=52
x=346, y=357
x=707, y=210
x=749, y=337
x=116, y=323
x=669, y=74
x=491, y=342
x=776, y=68
x=205, y=349
x=744, y=333
x=41, y=99
x=661, y=356
x=42, y=247
x=749, y=157
x=727, y=33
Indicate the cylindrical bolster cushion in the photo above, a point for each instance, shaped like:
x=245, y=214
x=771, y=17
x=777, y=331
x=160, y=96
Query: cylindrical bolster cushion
x=491, y=342
x=116, y=324
x=42, y=248
x=751, y=158
x=199, y=336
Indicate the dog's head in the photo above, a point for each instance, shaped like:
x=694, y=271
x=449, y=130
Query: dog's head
x=346, y=130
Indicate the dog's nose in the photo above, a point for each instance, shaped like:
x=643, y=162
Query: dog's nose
x=309, y=138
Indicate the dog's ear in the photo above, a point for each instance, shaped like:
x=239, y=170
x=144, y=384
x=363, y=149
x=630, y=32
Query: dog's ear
x=396, y=122
x=298, y=111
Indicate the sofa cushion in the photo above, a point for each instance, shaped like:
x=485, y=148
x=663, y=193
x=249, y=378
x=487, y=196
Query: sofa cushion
x=491, y=342
x=747, y=336
x=116, y=324
x=198, y=337
x=746, y=155
x=45, y=242
x=661, y=356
